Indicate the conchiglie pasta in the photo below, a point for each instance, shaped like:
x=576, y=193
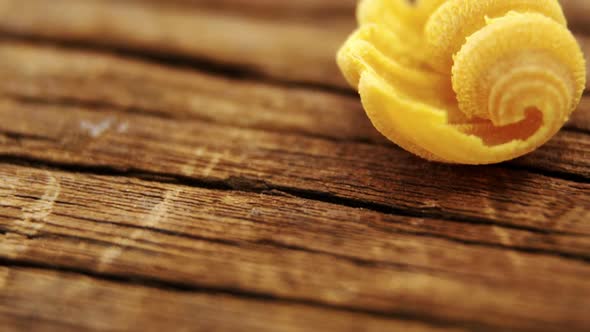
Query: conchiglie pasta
x=465, y=81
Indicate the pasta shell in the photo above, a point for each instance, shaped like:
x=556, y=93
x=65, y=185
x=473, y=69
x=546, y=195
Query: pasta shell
x=465, y=81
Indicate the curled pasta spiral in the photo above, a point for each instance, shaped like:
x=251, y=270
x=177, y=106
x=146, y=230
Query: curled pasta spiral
x=465, y=81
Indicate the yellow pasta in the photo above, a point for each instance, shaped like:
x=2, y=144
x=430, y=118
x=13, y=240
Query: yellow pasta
x=465, y=81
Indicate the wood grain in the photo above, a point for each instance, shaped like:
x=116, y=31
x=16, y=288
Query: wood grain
x=274, y=246
x=284, y=49
x=373, y=174
x=59, y=301
x=61, y=74
x=294, y=51
x=383, y=176
x=44, y=72
x=198, y=165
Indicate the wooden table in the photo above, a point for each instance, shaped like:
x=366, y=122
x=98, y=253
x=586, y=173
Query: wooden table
x=197, y=165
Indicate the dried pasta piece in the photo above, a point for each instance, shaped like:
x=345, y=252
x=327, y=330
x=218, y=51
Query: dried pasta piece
x=465, y=81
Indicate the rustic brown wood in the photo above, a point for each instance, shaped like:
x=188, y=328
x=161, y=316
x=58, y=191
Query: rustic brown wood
x=289, y=50
x=580, y=119
x=72, y=306
x=262, y=243
x=364, y=173
x=98, y=79
x=367, y=173
x=384, y=223
x=201, y=165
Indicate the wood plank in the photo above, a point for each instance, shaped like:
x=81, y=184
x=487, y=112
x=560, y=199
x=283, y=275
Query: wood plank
x=94, y=78
x=246, y=158
x=39, y=300
x=58, y=74
x=294, y=51
x=37, y=71
x=102, y=121
x=178, y=198
x=361, y=228
x=270, y=245
x=289, y=50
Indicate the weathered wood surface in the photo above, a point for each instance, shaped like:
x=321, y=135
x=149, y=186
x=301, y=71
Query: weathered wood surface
x=209, y=170
x=299, y=49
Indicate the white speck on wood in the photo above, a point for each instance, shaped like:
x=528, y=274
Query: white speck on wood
x=96, y=129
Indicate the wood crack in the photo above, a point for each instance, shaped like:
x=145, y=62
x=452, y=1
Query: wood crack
x=96, y=106
x=256, y=186
x=20, y=136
